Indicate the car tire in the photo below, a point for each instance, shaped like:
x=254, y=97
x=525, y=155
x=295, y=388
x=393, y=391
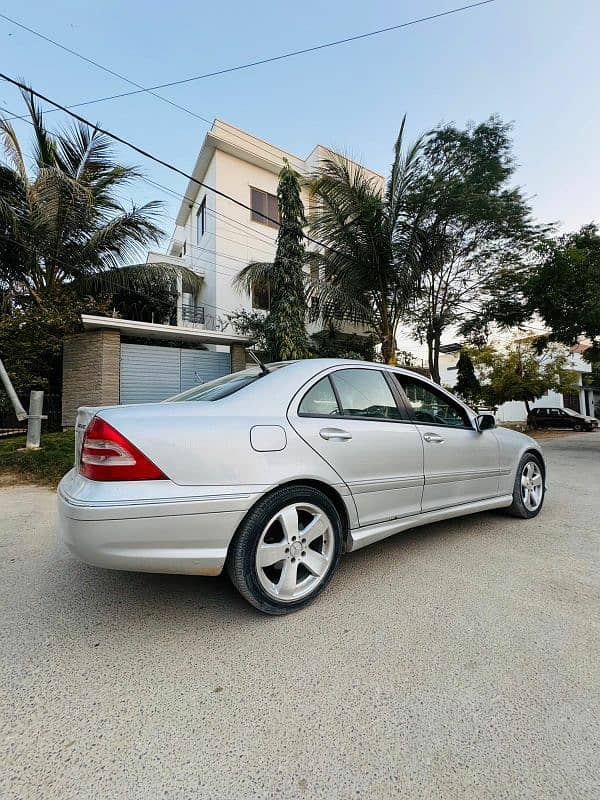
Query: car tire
x=272, y=522
x=522, y=505
x=578, y=428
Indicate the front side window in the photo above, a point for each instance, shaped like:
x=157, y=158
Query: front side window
x=432, y=407
x=319, y=401
x=364, y=393
x=265, y=208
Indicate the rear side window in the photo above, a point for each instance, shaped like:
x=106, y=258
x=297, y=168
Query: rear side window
x=365, y=393
x=320, y=401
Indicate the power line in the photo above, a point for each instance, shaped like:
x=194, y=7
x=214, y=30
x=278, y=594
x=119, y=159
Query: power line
x=103, y=68
x=250, y=64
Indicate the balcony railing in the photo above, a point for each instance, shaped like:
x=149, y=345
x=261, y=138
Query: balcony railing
x=193, y=314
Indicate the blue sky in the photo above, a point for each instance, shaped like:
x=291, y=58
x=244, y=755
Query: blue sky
x=534, y=62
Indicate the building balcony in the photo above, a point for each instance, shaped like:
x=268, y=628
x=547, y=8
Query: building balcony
x=192, y=314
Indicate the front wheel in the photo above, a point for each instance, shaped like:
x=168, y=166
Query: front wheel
x=529, y=489
x=286, y=550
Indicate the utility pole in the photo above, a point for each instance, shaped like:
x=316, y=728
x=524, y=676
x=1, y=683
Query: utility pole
x=10, y=391
x=36, y=406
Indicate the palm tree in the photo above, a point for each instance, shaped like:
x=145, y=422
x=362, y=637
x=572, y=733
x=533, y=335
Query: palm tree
x=369, y=262
x=63, y=232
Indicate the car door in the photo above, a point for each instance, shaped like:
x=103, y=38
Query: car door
x=352, y=419
x=461, y=464
x=554, y=418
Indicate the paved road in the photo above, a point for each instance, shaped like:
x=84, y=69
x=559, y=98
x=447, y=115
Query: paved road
x=459, y=661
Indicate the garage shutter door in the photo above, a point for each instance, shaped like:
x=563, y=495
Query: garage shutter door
x=150, y=373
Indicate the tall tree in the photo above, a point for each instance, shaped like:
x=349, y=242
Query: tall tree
x=561, y=287
x=285, y=326
x=564, y=289
x=475, y=225
x=368, y=266
x=467, y=383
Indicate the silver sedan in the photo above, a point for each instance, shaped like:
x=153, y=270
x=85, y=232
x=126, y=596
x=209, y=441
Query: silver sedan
x=274, y=472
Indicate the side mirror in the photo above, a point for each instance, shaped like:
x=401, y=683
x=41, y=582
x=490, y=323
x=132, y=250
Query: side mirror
x=485, y=422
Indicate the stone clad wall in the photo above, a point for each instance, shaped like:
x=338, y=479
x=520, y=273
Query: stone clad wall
x=91, y=372
x=238, y=357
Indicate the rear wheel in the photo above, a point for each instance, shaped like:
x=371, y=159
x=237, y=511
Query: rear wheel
x=529, y=489
x=286, y=550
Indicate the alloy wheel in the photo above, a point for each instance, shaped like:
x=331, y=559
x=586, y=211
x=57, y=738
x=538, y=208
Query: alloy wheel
x=295, y=552
x=532, y=485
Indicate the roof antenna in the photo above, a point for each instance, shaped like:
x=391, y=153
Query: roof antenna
x=257, y=361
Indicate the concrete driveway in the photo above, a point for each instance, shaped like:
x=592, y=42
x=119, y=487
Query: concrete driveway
x=459, y=661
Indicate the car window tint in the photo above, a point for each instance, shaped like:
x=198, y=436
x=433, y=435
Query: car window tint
x=431, y=406
x=365, y=393
x=319, y=400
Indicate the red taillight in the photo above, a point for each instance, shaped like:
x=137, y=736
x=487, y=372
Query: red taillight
x=106, y=455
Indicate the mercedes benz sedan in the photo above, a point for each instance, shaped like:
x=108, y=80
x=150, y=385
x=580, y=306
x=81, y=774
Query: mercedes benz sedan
x=274, y=472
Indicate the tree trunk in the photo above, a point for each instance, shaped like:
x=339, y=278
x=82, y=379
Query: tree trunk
x=433, y=356
x=388, y=349
x=527, y=406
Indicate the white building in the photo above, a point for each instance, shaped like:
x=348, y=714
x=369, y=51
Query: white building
x=217, y=237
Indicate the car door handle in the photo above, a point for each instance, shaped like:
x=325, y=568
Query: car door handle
x=433, y=438
x=334, y=433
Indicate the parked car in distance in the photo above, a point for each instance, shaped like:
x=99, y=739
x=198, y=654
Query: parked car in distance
x=560, y=418
x=273, y=472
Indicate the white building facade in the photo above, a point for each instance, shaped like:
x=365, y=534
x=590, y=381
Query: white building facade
x=217, y=237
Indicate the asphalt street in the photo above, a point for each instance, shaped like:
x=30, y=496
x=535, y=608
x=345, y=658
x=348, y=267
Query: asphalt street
x=459, y=660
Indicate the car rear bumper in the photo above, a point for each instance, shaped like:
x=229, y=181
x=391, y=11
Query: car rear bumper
x=188, y=535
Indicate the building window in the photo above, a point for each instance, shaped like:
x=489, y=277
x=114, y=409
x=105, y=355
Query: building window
x=261, y=298
x=182, y=253
x=265, y=208
x=201, y=220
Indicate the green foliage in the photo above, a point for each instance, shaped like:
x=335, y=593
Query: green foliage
x=332, y=343
x=31, y=341
x=158, y=304
x=474, y=225
x=368, y=267
x=45, y=466
x=251, y=324
x=467, y=383
x=565, y=288
x=284, y=328
x=520, y=373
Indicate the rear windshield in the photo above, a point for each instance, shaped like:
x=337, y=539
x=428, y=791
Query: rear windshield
x=221, y=387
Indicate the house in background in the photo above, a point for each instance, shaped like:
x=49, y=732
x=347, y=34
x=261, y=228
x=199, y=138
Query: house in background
x=515, y=411
x=217, y=237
